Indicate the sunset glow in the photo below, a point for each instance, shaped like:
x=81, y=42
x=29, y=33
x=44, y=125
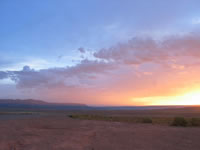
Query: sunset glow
x=191, y=98
x=101, y=52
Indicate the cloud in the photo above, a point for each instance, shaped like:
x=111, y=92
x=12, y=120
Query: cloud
x=144, y=50
x=135, y=51
x=68, y=76
x=141, y=67
x=81, y=50
x=3, y=75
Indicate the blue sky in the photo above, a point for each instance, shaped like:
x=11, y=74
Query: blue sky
x=47, y=34
x=44, y=30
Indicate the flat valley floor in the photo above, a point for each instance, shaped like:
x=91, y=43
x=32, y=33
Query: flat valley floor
x=59, y=132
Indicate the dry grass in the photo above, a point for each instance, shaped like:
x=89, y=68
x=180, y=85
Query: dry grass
x=174, y=121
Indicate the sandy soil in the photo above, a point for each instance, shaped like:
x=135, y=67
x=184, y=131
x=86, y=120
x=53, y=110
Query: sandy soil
x=63, y=133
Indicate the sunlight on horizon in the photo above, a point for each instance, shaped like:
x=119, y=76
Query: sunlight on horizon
x=188, y=98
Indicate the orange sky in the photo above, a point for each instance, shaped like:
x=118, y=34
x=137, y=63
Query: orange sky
x=139, y=72
x=123, y=52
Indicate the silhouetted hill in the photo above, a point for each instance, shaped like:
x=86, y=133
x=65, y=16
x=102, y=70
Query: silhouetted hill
x=30, y=103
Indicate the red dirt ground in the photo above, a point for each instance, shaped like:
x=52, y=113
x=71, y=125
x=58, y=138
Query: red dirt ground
x=63, y=133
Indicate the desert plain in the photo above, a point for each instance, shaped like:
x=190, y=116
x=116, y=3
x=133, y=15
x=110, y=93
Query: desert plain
x=56, y=130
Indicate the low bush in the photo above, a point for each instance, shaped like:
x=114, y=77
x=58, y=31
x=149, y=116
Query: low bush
x=73, y=116
x=180, y=121
x=195, y=122
x=147, y=120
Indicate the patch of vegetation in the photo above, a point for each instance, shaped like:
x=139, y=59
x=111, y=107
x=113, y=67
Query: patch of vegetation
x=195, y=122
x=18, y=113
x=71, y=116
x=113, y=118
x=180, y=121
x=147, y=120
x=177, y=121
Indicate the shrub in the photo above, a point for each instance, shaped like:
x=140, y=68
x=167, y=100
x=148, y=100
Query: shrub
x=73, y=116
x=195, y=122
x=180, y=121
x=147, y=120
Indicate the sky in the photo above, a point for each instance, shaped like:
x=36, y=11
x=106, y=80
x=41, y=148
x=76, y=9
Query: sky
x=100, y=52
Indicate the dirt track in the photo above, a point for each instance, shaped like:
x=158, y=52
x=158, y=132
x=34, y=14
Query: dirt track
x=62, y=133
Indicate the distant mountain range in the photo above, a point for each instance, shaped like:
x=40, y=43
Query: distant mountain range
x=38, y=104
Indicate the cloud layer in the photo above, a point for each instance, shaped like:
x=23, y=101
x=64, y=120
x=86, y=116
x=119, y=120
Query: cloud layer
x=141, y=67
